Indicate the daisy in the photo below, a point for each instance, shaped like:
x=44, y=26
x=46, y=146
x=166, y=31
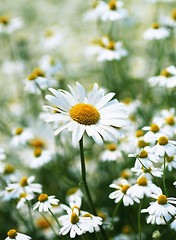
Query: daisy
x=24, y=186
x=162, y=208
x=90, y=222
x=9, y=25
x=51, y=38
x=111, y=154
x=14, y=235
x=170, y=21
x=23, y=198
x=156, y=32
x=147, y=173
x=143, y=188
x=170, y=163
x=45, y=202
x=122, y=193
x=153, y=131
x=74, y=195
x=9, y=173
x=2, y=154
x=97, y=114
x=164, y=146
x=95, y=13
x=21, y=136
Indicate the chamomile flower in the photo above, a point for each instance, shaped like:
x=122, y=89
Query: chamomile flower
x=170, y=21
x=22, y=199
x=9, y=25
x=95, y=12
x=162, y=207
x=21, y=136
x=152, y=133
x=156, y=32
x=170, y=163
x=2, y=154
x=121, y=192
x=51, y=38
x=144, y=187
x=111, y=154
x=9, y=173
x=97, y=114
x=74, y=195
x=148, y=172
x=164, y=146
x=45, y=202
x=14, y=235
x=90, y=222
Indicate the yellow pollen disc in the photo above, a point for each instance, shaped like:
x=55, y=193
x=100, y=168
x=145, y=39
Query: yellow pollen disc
x=155, y=25
x=165, y=73
x=12, y=233
x=142, y=181
x=32, y=77
x=143, y=154
x=111, y=45
x=42, y=223
x=43, y=197
x=125, y=188
x=49, y=33
x=173, y=14
x=87, y=215
x=127, y=101
x=146, y=170
x=154, y=128
x=112, y=5
x=126, y=229
x=125, y=174
x=71, y=191
x=142, y=144
x=4, y=20
x=169, y=159
x=23, y=195
x=84, y=113
x=9, y=169
x=162, y=200
x=139, y=133
x=163, y=140
x=111, y=147
x=74, y=218
x=37, y=152
x=24, y=182
x=18, y=130
x=36, y=142
x=75, y=207
x=102, y=215
x=39, y=72
x=95, y=4
x=170, y=120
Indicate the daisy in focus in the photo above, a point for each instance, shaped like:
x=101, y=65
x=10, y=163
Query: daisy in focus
x=45, y=202
x=156, y=32
x=14, y=235
x=97, y=114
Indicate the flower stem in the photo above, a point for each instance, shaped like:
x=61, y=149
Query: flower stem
x=86, y=188
x=164, y=180
x=114, y=213
x=30, y=215
x=139, y=220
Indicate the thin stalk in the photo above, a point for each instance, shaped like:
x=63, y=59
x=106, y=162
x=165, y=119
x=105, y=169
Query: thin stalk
x=139, y=220
x=114, y=213
x=49, y=225
x=86, y=188
x=164, y=180
x=30, y=215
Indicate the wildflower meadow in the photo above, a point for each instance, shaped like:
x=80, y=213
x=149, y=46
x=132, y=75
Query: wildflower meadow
x=88, y=119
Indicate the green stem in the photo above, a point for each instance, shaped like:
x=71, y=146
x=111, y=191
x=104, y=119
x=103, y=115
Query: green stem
x=164, y=180
x=30, y=215
x=86, y=188
x=139, y=220
x=114, y=213
x=49, y=225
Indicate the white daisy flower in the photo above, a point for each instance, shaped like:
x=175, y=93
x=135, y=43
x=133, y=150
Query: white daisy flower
x=2, y=154
x=153, y=132
x=156, y=32
x=50, y=66
x=23, y=198
x=51, y=38
x=162, y=208
x=147, y=173
x=122, y=193
x=90, y=222
x=144, y=158
x=45, y=202
x=170, y=163
x=155, y=220
x=9, y=173
x=96, y=12
x=8, y=25
x=170, y=21
x=97, y=114
x=111, y=154
x=167, y=78
x=14, y=235
x=164, y=146
x=143, y=188
x=24, y=186
x=74, y=195
x=21, y=136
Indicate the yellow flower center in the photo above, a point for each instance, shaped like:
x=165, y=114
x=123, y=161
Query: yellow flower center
x=125, y=188
x=49, y=33
x=142, y=144
x=71, y=191
x=43, y=197
x=77, y=208
x=165, y=73
x=4, y=20
x=169, y=159
x=111, y=147
x=154, y=128
x=42, y=223
x=139, y=133
x=170, y=120
x=9, y=169
x=143, y=154
x=125, y=174
x=87, y=215
x=173, y=14
x=12, y=233
x=163, y=140
x=162, y=200
x=112, y=5
x=24, y=182
x=142, y=181
x=18, y=130
x=94, y=4
x=36, y=142
x=32, y=77
x=126, y=229
x=37, y=152
x=39, y=72
x=111, y=45
x=84, y=113
x=127, y=101
x=147, y=170
x=155, y=25
x=74, y=218
x=23, y=195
